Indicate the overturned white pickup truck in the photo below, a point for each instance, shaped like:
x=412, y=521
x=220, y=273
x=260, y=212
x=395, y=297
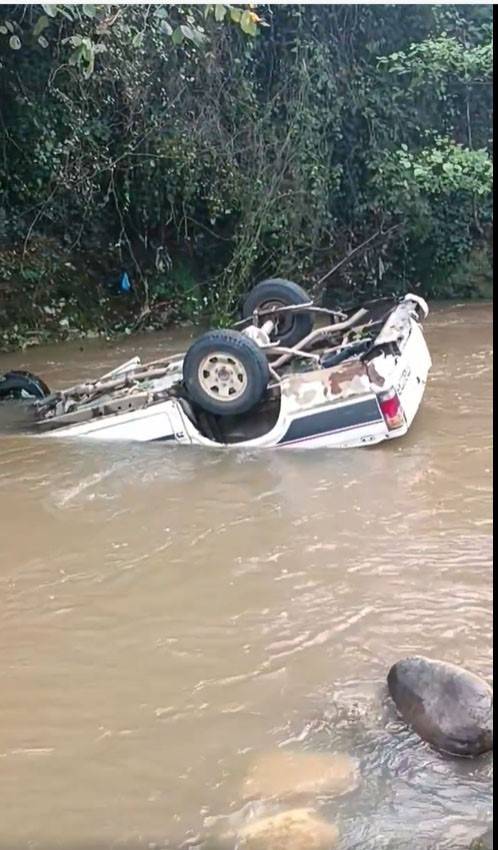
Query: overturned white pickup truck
x=277, y=380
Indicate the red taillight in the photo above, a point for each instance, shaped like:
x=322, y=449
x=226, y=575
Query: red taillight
x=392, y=411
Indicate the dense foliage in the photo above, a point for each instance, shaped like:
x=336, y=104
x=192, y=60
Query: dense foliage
x=201, y=148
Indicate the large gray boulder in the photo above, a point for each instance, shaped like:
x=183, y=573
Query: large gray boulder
x=446, y=705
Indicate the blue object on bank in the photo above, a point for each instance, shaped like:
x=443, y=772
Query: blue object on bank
x=124, y=283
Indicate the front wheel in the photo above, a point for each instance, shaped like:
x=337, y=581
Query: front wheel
x=225, y=373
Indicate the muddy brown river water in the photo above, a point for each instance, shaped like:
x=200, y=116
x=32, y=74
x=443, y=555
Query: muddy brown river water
x=168, y=613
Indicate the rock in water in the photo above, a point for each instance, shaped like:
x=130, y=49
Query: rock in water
x=291, y=775
x=484, y=842
x=446, y=705
x=295, y=829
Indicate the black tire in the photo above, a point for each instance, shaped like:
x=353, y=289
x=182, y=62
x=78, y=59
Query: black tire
x=22, y=385
x=244, y=363
x=291, y=327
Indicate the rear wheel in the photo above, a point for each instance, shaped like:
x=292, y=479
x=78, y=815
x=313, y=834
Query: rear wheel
x=225, y=373
x=22, y=385
x=290, y=328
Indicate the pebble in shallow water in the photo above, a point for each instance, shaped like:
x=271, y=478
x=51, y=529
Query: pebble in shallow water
x=295, y=829
x=291, y=775
x=446, y=705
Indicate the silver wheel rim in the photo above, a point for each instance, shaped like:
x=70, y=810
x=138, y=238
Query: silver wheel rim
x=222, y=376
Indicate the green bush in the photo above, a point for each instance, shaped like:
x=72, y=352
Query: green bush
x=202, y=148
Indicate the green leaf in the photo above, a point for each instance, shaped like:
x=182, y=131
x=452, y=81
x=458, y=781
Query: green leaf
x=9, y=26
x=63, y=10
x=88, y=71
x=188, y=32
x=84, y=55
x=50, y=9
x=41, y=24
x=161, y=12
x=89, y=10
x=15, y=42
x=193, y=35
x=3, y=30
x=219, y=12
x=235, y=15
x=42, y=41
x=247, y=24
x=87, y=49
x=177, y=36
x=75, y=56
x=166, y=27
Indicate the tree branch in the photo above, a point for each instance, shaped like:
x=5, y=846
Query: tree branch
x=356, y=251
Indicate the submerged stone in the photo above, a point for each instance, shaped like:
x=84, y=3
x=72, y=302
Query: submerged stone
x=285, y=775
x=295, y=829
x=446, y=705
x=484, y=842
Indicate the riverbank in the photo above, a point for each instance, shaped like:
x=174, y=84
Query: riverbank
x=49, y=294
